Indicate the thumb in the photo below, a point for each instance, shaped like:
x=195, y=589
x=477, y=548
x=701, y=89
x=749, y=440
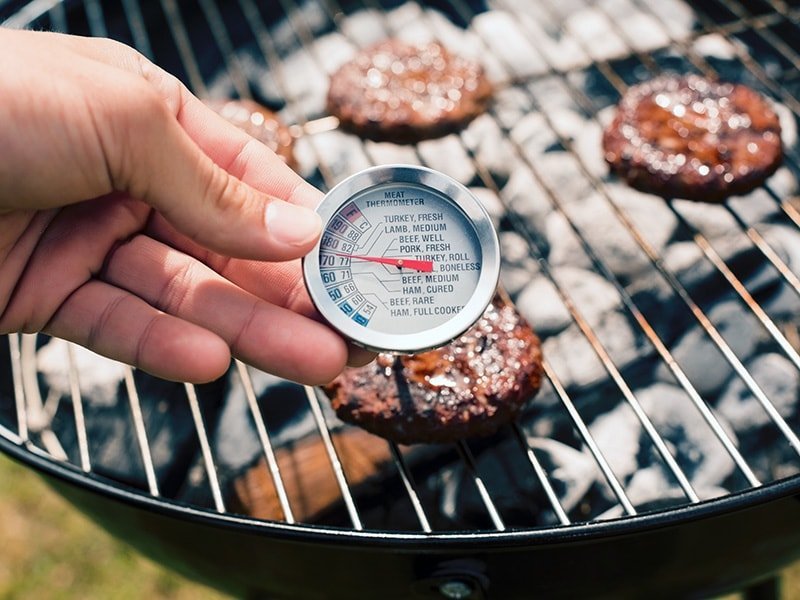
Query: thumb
x=166, y=169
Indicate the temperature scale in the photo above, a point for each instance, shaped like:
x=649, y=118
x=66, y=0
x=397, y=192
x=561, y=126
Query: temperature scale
x=408, y=259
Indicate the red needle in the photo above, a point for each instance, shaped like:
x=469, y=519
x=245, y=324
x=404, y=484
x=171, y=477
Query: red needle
x=425, y=266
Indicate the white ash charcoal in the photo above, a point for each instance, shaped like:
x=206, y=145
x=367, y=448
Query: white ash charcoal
x=388, y=153
x=595, y=33
x=605, y=115
x=563, y=175
x=714, y=45
x=712, y=220
x=623, y=344
x=652, y=489
x=577, y=364
x=646, y=485
x=755, y=207
x=608, y=236
x=489, y=200
x=686, y=260
x=642, y=31
x=457, y=40
x=572, y=358
x=283, y=405
x=698, y=451
x=585, y=145
x=341, y=153
x=565, y=248
x=305, y=157
x=506, y=471
x=777, y=377
x=99, y=377
x=309, y=15
x=486, y=141
x=786, y=241
x=566, y=122
x=514, y=279
x=617, y=434
x=782, y=304
x=788, y=124
x=365, y=27
x=532, y=134
x=701, y=360
x=332, y=50
x=561, y=52
x=572, y=472
x=592, y=295
x=448, y=156
x=553, y=95
x=500, y=32
x=510, y=105
x=783, y=183
x=304, y=83
x=514, y=248
x=404, y=16
x=409, y=23
x=525, y=196
x=676, y=15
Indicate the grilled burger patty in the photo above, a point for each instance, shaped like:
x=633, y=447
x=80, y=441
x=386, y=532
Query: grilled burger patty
x=471, y=387
x=260, y=123
x=689, y=137
x=394, y=91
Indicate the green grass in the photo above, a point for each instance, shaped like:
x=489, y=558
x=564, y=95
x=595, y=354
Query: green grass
x=50, y=551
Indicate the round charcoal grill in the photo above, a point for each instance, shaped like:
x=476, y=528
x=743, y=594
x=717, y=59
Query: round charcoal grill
x=661, y=456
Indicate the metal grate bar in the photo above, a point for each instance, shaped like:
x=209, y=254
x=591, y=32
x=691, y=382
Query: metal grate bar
x=184, y=46
x=272, y=59
x=141, y=40
x=263, y=437
x=408, y=484
x=139, y=429
x=39, y=413
x=466, y=455
x=94, y=14
x=223, y=40
x=205, y=448
x=19, y=389
x=682, y=293
x=588, y=439
x=333, y=457
x=30, y=12
x=77, y=408
x=58, y=18
x=541, y=474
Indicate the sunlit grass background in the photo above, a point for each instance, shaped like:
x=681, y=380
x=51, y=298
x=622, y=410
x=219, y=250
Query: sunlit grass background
x=50, y=551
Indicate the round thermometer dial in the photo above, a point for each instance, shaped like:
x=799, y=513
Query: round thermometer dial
x=408, y=259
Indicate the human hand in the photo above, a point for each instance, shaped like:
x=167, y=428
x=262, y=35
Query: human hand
x=122, y=202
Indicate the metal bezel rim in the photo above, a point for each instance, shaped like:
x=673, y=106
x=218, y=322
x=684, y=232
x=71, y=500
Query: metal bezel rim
x=475, y=213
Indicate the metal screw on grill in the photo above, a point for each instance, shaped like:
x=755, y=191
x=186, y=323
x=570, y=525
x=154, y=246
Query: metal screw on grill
x=456, y=589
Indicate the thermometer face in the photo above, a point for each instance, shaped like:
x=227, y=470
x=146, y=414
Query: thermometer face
x=407, y=261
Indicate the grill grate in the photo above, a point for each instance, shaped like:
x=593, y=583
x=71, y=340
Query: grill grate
x=734, y=21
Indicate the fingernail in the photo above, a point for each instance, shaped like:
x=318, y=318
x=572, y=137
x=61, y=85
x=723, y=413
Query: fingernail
x=292, y=224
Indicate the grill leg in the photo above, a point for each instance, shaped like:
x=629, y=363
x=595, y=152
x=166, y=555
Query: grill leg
x=767, y=589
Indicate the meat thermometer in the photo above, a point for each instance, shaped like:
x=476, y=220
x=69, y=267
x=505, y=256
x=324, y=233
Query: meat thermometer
x=408, y=259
